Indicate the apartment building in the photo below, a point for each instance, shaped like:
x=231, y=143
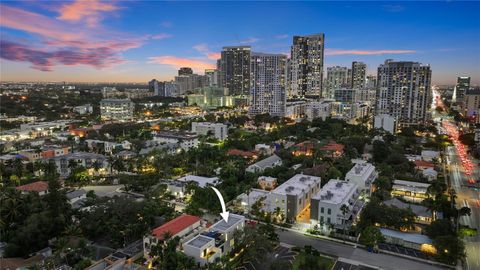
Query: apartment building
x=218, y=130
x=186, y=140
x=293, y=196
x=326, y=205
x=363, y=174
x=117, y=109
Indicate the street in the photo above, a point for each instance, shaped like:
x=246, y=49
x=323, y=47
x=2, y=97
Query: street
x=384, y=261
x=466, y=197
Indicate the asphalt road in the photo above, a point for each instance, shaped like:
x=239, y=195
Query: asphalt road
x=466, y=197
x=383, y=261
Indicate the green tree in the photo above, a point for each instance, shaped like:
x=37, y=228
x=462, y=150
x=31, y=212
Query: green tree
x=371, y=236
x=345, y=210
x=449, y=249
x=440, y=227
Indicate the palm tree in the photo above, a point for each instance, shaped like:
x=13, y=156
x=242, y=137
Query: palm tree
x=277, y=212
x=345, y=210
x=248, y=200
x=11, y=202
x=62, y=247
x=96, y=166
x=72, y=230
x=15, y=179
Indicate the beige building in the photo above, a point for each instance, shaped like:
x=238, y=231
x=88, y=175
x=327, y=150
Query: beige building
x=472, y=105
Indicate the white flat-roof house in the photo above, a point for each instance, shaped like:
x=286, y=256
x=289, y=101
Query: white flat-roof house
x=264, y=149
x=176, y=188
x=253, y=196
x=218, y=130
x=325, y=207
x=294, y=195
x=200, y=180
x=267, y=182
x=363, y=174
x=202, y=248
x=186, y=140
x=218, y=240
x=269, y=162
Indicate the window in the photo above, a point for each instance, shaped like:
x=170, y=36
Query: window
x=322, y=210
x=321, y=218
x=329, y=211
x=328, y=220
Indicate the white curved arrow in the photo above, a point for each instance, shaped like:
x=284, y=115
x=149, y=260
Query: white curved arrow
x=224, y=213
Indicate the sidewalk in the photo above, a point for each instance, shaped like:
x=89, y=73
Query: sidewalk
x=355, y=245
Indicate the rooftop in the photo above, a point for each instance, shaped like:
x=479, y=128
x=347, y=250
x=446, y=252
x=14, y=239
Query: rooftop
x=80, y=155
x=423, y=163
x=175, y=225
x=236, y=152
x=223, y=226
x=200, y=180
x=267, y=162
x=410, y=183
x=177, y=135
x=267, y=178
x=115, y=100
x=333, y=146
x=419, y=210
x=199, y=241
x=38, y=186
x=409, y=237
x=254, y=195
x=362, y=169
x=76, y=193
x=335, y=191
x=297, y=184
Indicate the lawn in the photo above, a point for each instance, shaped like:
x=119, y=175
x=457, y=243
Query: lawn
x=306, y=261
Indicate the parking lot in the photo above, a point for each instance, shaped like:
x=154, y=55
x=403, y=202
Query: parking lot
x=402, y=250
x=339, y=265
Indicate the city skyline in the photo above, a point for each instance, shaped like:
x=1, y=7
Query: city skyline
x=122, y=42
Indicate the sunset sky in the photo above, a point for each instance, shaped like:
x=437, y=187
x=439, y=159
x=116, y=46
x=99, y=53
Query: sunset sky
x=129, y=41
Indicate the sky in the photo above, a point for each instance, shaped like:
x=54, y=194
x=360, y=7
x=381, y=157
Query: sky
x=134, y=41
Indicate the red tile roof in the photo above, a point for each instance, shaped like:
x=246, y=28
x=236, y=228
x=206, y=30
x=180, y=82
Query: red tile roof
x=38, y=186
x=175, y=226
x=423, y=163
x=333, y=146
x=236, y=152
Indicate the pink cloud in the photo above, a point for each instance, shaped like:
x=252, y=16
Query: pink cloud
x=90, y=11
x=366, y=52
x=58, y=39
x=214, y=55
x=203, y=48
x=181, y=62
x=35, y=23
x=161, y=36
x=45, y=60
